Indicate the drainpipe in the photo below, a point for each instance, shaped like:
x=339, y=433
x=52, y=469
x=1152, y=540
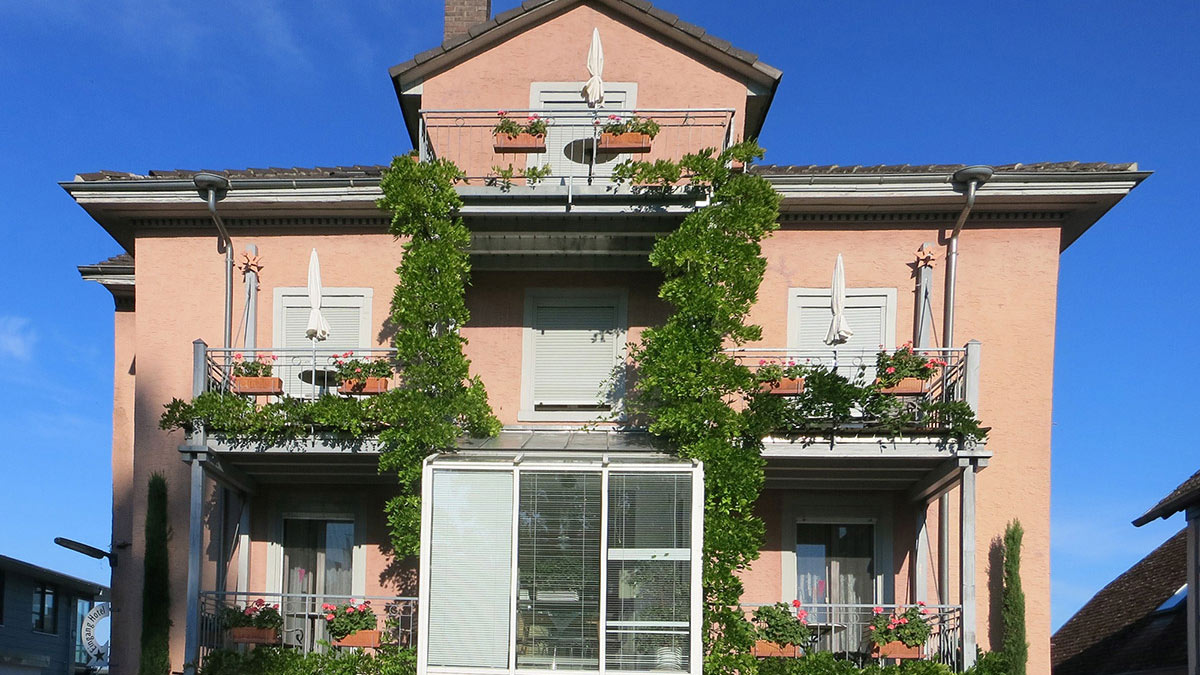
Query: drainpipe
x=212, y=189
x=972, y=177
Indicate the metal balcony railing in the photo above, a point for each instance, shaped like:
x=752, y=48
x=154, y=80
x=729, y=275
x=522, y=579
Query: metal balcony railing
x=303, y=372
x=573, y=150
x=304, y=626
x=842, y=629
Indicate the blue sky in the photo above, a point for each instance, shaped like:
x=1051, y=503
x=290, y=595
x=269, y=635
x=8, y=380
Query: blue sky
x=130, y=85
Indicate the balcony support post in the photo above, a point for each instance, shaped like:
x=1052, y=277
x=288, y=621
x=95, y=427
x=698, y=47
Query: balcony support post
x=971, y=375
x=195, y=546
x=920, y=558
x=199, y=367
x=944, y=548
x=967, y=576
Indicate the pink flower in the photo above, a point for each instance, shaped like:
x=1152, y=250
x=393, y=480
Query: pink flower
x=870, y=627
x=903, y=620
x=762, y=362
x=249, y=611
x=920, y=604
x=533, y=117
x=329, y=617
x=878, y=610
x=802, y=615
x=237, y=356
x=362, y=607
x=366, y=602
x=275, y=606
x=614, y=117
x=260, y=602
x=891, y=369
x=350, y=609
x=795, y=603
x=891, y=626
x=501, y=113
x=924, y=611
x=327, y=607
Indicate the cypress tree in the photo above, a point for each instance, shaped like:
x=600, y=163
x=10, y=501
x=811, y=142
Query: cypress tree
x=1012, y=609
x=156, y=598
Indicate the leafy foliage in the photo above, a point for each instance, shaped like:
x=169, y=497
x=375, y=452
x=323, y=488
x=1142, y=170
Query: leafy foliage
x=503, y=176
x=437, y=400
x=712, y=267
x=241, y=420
x=534, y=125
x=989, y=663
x=905, y=362
x=259, y=366
x=1015, y=646
x=824, y=663
x=909, y=626
x=631, y=125
x=357, y=369
x=285, y=661
x=156, y=584
x=777, y=623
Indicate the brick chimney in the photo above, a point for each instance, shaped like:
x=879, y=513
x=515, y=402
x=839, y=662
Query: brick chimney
x=462, y=14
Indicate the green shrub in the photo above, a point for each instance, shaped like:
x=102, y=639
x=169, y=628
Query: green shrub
x=156, y=584
x=990, y=663
x=284, y=661
x=1012, y=607
x=814, y=663
x=776, y=623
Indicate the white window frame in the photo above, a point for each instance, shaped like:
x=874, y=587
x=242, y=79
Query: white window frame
x=604, y=467
x=601, y=296
x=358, y=558
x=839, y=509
x=297, y=296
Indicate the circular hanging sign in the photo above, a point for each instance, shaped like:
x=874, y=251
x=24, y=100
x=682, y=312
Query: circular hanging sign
x=97, y=651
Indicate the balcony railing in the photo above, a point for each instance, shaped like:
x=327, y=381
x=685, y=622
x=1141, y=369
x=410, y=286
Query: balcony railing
x=842, y=629
x=304, y=626
x=572, y=147
x=303, y=373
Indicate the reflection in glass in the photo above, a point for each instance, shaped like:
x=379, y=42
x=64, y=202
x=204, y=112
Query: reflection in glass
x=318, y=562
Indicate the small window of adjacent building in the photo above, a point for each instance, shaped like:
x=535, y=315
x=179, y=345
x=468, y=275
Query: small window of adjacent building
x=45, y=608
x=870, y=313
x=573, y=355
x=348, y=312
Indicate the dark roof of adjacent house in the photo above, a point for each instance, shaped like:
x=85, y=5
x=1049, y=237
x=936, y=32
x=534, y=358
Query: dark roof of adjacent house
x=1187, y=494
x=1121, y=629
x=80, y=586
x=376, y=170
x=118, y=263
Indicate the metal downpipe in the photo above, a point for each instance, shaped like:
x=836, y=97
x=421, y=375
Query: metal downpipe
x=973, y=177
x=209, y=185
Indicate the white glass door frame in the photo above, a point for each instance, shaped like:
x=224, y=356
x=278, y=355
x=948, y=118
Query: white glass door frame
x=276, y=574
x=838, y=509
x=520, y=464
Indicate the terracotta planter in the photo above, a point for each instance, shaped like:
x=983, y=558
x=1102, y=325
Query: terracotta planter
x=627, y=142
x=764, y=649
x=364, y=387
x=787, y=386
x=362, y=638
x=257, y=386
x=908, y=386
x=522, y=142
x=897, y=650
x=245, y=635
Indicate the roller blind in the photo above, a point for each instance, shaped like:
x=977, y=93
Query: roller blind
x=469, y=568
x=575, y=349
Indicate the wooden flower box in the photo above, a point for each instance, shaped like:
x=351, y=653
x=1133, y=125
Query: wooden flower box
x=786, y=386
x=257, y=386
x=764, y=649
x=897, y=650
x=908, y=386
x=365, y=387
x=362, y=638
x=627, y=142
x=246, y=635
x=522, y=142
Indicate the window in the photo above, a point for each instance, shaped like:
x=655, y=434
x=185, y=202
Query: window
x=835, y=563
x=45, y=609
x=605, y=572
x=348, y=311
x=870, y=312
x=573, y=354
x=318, y=567
x=572, y=128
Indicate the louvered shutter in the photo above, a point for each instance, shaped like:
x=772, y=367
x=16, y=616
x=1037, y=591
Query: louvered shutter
x=575, y=349
x=866, y=314
x=568, y=140
x=344, y=313
x=470, y=558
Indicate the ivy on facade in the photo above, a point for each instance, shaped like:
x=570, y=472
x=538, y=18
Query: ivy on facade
x=712, y=267
x=438, y=400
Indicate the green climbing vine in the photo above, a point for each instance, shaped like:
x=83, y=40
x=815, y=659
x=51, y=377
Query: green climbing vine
x=437, y=400
x=713, y=266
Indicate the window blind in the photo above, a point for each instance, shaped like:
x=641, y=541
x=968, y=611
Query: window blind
x=574, y=352
x=345, y=334
x=469, y=571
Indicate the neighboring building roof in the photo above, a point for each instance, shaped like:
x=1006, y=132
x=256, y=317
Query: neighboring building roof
x=118, y=263
x=376, y=170
x=1187, y=494
x=1036, y=167
x=115, y=274
x=81, y=586
x=1120, y=630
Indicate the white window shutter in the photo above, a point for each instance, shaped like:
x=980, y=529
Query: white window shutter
x=575, y=349
x=868, y=313
x=344, y=311
x=571, y=130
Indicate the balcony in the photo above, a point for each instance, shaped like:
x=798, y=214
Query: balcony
x=304, y=627
x=574, y=148
x=842, y=630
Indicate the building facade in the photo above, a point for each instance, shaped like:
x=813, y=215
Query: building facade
x=560, y=283
x=46, y=640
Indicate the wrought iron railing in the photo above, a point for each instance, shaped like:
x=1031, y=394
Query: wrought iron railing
x=303, y=372
x=572, y=147
x=304, y=626
x=842, y=629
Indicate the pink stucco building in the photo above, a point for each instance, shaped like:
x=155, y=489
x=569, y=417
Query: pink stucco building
x=561, y=281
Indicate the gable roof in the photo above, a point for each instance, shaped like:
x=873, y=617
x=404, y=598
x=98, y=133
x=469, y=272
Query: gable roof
x=504, y=25
x=1120, y=629
x=1187, y=494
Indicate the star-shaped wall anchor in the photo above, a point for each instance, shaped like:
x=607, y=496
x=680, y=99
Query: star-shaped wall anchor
x=251, y=263
x=925, y=256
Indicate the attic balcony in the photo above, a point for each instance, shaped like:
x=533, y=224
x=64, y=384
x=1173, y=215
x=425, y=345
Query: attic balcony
x=575, y=151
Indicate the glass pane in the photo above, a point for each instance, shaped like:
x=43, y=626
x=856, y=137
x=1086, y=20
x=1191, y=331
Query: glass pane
x=835, y=566
x=811, y=563
x=558, y=563
x=851, y=564
x=317, y=561
x=338, y=553
x=649, y=572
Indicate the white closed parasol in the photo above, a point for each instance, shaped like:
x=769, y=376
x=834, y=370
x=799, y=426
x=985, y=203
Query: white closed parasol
x=318, y=327
x=839, y=329
x=593, y=91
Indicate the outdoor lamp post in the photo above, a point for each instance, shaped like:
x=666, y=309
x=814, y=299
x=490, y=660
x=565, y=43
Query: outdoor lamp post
x=90, y=551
